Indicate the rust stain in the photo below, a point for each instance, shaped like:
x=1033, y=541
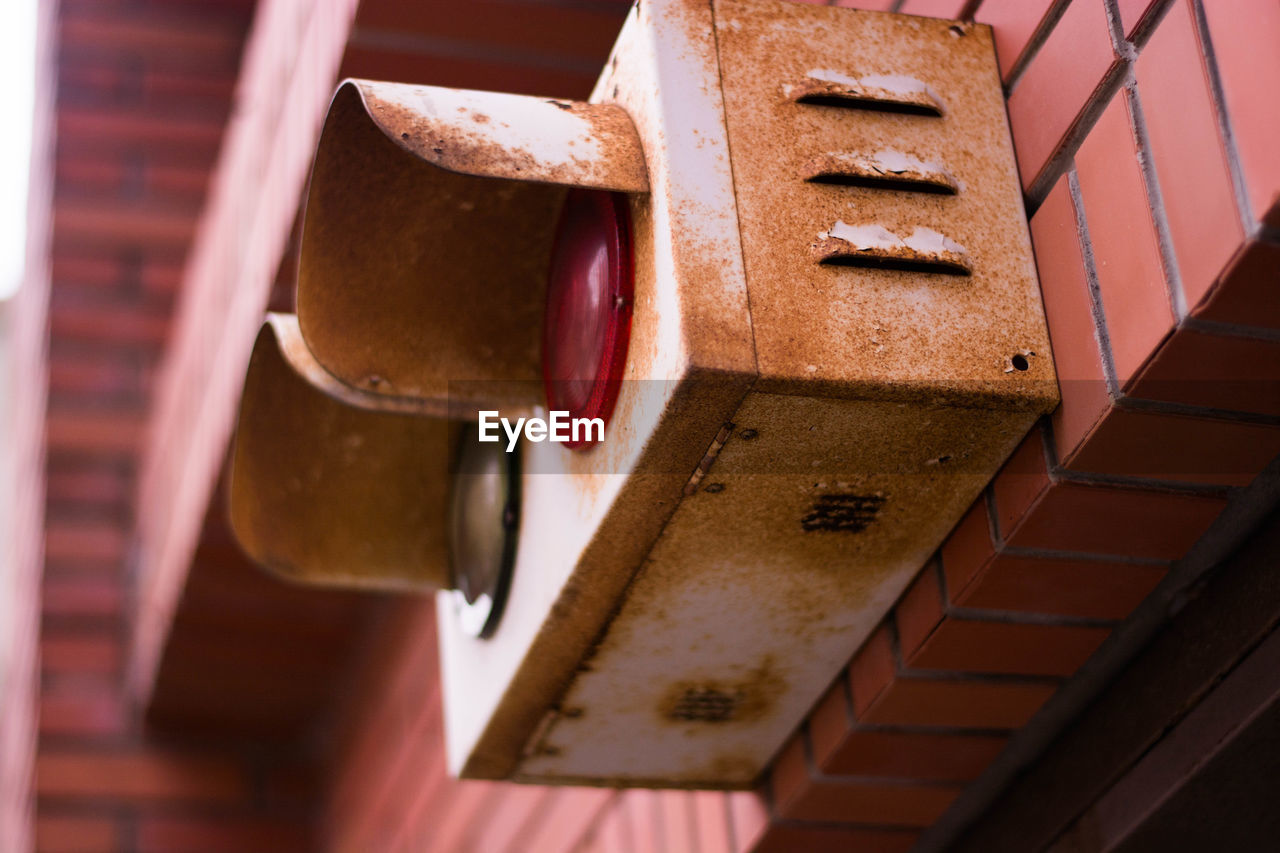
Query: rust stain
x=723, y=701
x=732, y=767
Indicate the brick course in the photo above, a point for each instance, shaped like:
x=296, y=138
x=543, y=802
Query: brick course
x=143, y=92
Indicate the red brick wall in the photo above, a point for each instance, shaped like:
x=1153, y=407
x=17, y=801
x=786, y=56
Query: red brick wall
x=23, y=392
x=143, y=93
x=1144, y=134
x=289, y=69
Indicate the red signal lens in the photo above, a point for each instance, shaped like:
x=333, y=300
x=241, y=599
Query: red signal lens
x=589, y=299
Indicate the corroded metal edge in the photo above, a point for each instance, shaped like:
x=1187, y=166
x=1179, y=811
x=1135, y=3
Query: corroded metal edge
x=517, y=137
x=293, y=348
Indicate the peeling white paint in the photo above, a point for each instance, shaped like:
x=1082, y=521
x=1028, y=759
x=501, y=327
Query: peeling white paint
x=562, y=141
x=863, y=236
x=929, y=241
x=872, y=237
x=897, y=85
x=898, y=162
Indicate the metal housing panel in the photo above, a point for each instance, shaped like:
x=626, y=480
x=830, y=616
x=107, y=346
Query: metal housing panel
x=888, y=392
x=861, y=330
x=764, y=583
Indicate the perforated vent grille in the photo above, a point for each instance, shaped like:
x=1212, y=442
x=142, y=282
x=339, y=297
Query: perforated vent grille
x=843, y=512
x=707, y=705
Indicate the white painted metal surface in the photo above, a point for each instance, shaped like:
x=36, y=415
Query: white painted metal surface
x=585, y=530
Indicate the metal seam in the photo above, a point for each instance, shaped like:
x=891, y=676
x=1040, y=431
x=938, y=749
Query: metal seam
x=1226, y=132
x=1155, y=201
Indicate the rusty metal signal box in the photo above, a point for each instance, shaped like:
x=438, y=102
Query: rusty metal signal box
x=836, y=340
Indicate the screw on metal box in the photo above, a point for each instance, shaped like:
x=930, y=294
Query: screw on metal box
x=484, y=522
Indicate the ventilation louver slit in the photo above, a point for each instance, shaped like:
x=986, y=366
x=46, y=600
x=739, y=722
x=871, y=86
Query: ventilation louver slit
x=924, y=250
x=892, y=93
x=890, y=170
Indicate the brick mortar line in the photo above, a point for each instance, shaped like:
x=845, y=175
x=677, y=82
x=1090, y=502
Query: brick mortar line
x=815, y=773
x=845, y=681
x=1155, y=200
x=1102, y=333
x=1188, y=488
x=796, y=823
x=98, y=805
x=1232, y=330
x=890, y=621
x=1051, y=461
x=958, y=731
x=993, y=514
x=94, y=511
x=1081, y=556
x=806, y=751
x=944, y=588
x=1115, y=27
x=905, y=782
x=987, y=678
x=241, y=758
x=935, y=565
x=769, y=790
x=1139, y=404
x=1058, y=472
x=1061, y=159
x=1027, y=617
x=1040, y=35
x=1150, y=20
x=691, y=816
x=731, y=835
x=1226, y=133
x=969, y=10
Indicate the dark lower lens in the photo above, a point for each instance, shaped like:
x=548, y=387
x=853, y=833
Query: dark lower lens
x=484, y=516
